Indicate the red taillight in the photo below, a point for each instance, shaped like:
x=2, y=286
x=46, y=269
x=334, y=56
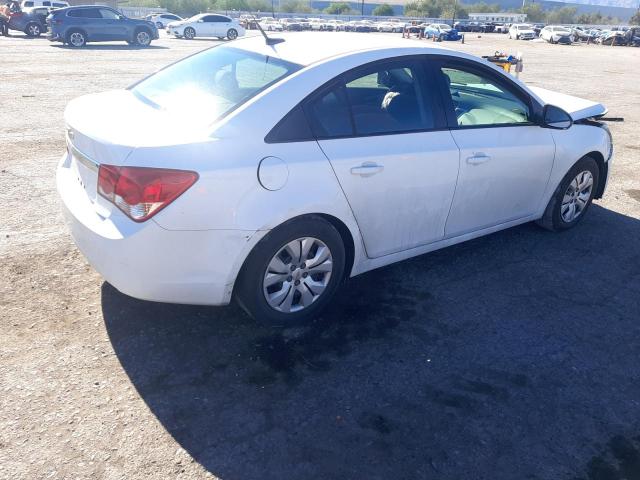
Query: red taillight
x=57, y=21
x=142, y=192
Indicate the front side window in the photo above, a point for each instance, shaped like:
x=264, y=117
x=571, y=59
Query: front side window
x=480, y=100
x=109, y=14
x=204, y=87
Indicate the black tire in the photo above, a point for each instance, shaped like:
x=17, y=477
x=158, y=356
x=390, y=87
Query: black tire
x=33, y=29
x=232, y=34
x=76, y=38
x=142, y=37
x=249, y=291
x=189, y=33
x=552, y=218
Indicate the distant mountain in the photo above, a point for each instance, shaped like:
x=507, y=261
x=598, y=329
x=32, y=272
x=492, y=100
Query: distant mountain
x=622, y=9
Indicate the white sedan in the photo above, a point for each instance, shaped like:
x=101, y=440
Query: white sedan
x=556, y=34
x=270, y=171
x=206, y=25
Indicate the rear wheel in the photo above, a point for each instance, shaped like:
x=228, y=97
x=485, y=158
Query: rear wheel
x=76, y=39
x=573, y=197
x=232, y=34
x=293, y=272
x=33, y=30
x=189, y=33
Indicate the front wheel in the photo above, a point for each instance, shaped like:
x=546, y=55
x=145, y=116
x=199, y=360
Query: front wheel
x=189, y=33
x=232, y=34
x=293, y=272
x=573, y=197
x=33, y=30
x=143, y=38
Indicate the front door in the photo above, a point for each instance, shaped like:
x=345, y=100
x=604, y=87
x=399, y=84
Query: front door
x=113, y=28
x=505, y=158
x=379, y=128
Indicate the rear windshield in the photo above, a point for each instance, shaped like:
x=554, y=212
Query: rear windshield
x=210, y=84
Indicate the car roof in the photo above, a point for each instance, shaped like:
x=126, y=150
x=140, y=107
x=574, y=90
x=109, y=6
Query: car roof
x=311, y=47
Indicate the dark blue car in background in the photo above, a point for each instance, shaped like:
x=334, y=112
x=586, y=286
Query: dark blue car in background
x=76, y=26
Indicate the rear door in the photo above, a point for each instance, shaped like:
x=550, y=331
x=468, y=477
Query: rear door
x=221, y=25
x=207, y=27
x=505, y=156
x=381, y=128
x=91, y=21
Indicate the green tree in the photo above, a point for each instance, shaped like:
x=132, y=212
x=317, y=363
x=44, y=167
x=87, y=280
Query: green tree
x=339, y=8
x=482, y=7
x=635, y=20
x=383, y=10
x=534, y=12
x=562, y=15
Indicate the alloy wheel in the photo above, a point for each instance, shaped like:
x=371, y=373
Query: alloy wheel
x=143, y=38
x=297, y=275
x=76, y=39
x=577, y=196
x=33, y=30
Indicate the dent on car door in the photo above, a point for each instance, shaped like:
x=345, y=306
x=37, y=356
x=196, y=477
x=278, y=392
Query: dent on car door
x=378, y=127
x=505, y=157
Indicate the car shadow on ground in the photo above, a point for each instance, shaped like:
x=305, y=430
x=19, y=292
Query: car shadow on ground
x=510, y=356
x=105, y=46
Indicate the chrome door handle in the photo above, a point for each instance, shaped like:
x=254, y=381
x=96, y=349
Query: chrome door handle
x=367, y=169
x=478, y=158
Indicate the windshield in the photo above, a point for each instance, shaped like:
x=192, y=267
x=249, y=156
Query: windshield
x=210, y=84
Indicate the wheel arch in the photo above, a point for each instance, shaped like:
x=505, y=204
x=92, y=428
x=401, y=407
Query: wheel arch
x=339, y=225
x=603, y=168
x=76, y=29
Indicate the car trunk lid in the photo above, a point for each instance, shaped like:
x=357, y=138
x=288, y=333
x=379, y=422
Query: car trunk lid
x=106, y=128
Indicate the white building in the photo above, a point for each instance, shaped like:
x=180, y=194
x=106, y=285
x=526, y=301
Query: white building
x=501, y=17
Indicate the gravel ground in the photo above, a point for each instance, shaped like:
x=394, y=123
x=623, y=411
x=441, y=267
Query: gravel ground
x=511, y=356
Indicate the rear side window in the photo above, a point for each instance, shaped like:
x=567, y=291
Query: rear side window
x=329, y=114
x=28, y=4
x=46, y=4
x=388, y=98
x=85, y=13
x=292, y=128
x=59, y=5
x=385, y=98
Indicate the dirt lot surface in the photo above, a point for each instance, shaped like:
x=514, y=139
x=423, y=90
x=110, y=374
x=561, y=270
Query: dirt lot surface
x=509, y=357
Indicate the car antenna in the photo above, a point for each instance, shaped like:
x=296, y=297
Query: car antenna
x=268, y=40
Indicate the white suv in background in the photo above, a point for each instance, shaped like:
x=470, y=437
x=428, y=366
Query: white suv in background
x=43, y=3
x=521, y=31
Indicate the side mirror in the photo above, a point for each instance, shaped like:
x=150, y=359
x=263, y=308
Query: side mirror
x=555, y=117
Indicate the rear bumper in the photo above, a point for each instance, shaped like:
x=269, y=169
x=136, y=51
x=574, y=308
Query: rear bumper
x=148, y=262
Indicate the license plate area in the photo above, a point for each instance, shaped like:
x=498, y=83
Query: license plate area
x=85, y=171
